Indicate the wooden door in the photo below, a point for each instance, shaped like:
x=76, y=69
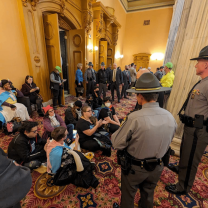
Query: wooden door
x=103, y=52
x=110, y=55
x=53, y=49
x=77, y=55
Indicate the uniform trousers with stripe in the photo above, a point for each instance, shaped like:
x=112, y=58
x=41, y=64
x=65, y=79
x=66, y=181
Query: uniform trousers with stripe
x=194, y=143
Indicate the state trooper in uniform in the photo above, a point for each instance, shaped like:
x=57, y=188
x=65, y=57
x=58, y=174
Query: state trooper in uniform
x=142, y=141
x=195, y=137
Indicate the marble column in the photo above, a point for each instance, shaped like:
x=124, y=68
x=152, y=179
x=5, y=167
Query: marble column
x=192, y=36
x=177, y=12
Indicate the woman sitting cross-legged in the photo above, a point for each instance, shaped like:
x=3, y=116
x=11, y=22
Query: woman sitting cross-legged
x=73, y=114
x=30, y=89
x=69, y=166
x=9, y=108
x=87, y=131
x=52, y=120
x=108, y=114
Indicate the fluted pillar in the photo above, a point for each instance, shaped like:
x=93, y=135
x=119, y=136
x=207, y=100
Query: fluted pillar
x=192, y=36
x=177, y=12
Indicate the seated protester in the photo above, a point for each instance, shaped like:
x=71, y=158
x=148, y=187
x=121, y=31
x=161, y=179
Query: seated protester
x=90, y=102
x=96, y=98
x=27, y=148
x=86, y=130
x=62, y=160
x=52, y=121
x=55, y=148
x=30, y=89
x=15, y=182
x=9, y=108
x=73, y=114
x=108, y=114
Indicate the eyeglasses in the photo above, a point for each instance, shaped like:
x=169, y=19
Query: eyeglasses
x=89, y=111
x=34, y=131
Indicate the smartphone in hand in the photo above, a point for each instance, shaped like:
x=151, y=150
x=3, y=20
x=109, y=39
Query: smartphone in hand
x=74, y=134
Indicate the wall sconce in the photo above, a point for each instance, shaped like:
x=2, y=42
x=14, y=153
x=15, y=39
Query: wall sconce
x=90, y=48
x=157, y=56
x=118, y=56
x=96, y=48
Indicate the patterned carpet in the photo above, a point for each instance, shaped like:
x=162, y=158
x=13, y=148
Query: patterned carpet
x=109, y=175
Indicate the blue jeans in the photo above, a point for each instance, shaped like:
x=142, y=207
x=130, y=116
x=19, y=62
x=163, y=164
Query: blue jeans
x=70, y=128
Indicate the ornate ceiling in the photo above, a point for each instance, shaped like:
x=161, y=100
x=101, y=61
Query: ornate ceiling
x=135, y=5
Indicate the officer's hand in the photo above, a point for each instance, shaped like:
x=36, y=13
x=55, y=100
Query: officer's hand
x=87, y=82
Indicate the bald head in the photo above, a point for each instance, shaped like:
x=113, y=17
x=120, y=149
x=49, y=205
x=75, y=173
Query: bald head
x=114, y=65
x=142, y=71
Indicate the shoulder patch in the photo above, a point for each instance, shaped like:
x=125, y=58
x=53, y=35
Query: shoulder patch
x=124, y=121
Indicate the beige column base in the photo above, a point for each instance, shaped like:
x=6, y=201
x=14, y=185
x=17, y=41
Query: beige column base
x=175, y=145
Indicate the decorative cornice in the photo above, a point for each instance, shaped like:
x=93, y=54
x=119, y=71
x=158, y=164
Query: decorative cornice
x=24, y=3
x=127, y=5
x=33, y=4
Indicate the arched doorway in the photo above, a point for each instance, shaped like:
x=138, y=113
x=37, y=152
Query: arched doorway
x=43, y=24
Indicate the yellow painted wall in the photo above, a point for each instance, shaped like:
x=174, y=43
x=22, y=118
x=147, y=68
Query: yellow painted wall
x=120, y=15
x=13, y=60
x=146, y=39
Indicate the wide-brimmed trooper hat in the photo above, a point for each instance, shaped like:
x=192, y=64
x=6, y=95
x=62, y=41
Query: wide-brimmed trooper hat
x=90, y=64
x=148, y=83
x=203, y=54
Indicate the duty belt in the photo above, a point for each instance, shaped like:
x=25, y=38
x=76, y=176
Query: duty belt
x=190, y=122
x=148, y=163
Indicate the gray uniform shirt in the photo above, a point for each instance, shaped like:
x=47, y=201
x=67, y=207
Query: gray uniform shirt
x=198, y=100
x=147, y=132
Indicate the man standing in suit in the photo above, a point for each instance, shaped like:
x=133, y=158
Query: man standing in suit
x=126, y=81
x=102, y=80
x=133, y=73
x=116, y=78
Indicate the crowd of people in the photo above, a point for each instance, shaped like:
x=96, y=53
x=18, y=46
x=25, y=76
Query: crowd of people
x=142, y=138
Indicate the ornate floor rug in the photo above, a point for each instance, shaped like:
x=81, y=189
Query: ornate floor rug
x=109, y=174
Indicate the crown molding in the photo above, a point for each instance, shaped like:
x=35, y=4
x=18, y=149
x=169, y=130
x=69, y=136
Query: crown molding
x=127, y=6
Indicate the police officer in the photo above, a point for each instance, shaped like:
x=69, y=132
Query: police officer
x=145, y=135
x=195, y=135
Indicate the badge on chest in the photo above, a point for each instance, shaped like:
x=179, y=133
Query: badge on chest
x=195, y=92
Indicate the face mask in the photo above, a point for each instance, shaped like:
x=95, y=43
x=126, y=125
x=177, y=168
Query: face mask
x=107, y=105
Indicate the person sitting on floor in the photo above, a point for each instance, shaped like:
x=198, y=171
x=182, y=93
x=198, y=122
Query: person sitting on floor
x=52, y=120
x=73, y=114
x=28, y=148
x=30, y=89
x=62, y=159
x=86, y=130
x=108, y=114
x=55, y=148
x=9, y=108
x=96, y=98
x=90, y=102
